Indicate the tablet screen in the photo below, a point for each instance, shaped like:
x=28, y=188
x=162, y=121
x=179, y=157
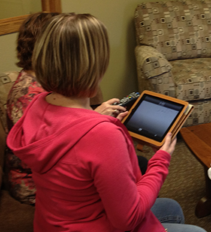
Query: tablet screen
x=152, y=117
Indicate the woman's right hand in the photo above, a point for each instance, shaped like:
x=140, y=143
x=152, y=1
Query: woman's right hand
x=169, y=145
x=108, y=108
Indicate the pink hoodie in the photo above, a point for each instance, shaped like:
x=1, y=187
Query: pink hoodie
x=86, y=171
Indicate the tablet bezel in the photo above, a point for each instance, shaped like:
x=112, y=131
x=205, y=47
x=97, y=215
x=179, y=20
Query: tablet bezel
x=151, y=141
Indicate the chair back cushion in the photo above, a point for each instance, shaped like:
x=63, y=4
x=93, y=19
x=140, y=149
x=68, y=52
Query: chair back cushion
x=178, y=29
x=6, y=81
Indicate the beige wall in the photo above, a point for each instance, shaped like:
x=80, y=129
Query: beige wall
x=120, y=78
x=8, y=42
x=14, y=8
x=8, y=53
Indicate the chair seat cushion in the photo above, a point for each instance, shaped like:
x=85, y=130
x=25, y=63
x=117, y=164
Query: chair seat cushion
x=192, y=78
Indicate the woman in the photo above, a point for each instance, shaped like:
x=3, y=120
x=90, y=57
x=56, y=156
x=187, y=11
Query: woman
x=24, y=89
x=84, y=163
x=19, y=177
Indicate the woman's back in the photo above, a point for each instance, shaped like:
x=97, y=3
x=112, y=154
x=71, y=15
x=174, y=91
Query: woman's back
x=77, y=175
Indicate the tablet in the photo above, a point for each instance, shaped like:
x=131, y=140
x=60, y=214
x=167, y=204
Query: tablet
x=153, y=115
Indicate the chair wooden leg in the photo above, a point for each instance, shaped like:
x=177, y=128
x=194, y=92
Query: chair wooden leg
x=139, y=147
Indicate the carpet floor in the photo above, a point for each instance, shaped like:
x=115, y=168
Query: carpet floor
x=185, y=182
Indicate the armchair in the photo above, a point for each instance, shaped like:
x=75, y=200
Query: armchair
x=173, y=52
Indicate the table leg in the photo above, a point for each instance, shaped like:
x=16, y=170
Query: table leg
x=203, y=208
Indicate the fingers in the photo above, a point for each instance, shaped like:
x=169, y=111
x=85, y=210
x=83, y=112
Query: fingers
x=174, y=141
x=122, y=115
x=115, y=107
x=119, y=108
x=112, y=101
x=168, y=139
x=169, y=144
x=107, y=108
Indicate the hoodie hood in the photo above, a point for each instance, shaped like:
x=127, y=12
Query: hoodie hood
x=42, y=152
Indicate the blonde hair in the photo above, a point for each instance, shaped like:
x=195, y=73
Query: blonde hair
x=71, y=55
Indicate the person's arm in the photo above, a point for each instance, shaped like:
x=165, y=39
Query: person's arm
x=126, y=196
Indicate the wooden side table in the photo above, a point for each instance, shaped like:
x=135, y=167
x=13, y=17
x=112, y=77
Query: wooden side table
x=198, y=139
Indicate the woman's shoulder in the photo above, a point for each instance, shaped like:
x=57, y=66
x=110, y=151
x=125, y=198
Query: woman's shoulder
x=109, y=128
x=24, y=89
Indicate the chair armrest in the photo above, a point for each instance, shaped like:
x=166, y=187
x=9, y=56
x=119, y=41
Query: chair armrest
x=2, y=153
x=151, y=62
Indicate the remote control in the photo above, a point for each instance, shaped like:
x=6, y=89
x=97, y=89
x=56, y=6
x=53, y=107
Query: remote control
x=129, y=100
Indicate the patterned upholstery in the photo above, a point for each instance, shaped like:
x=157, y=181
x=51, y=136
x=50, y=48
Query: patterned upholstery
x=6, y=81
x=178, y=29
x=173, y=52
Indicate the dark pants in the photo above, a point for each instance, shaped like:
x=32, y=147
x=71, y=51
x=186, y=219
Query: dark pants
x=142, y=161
